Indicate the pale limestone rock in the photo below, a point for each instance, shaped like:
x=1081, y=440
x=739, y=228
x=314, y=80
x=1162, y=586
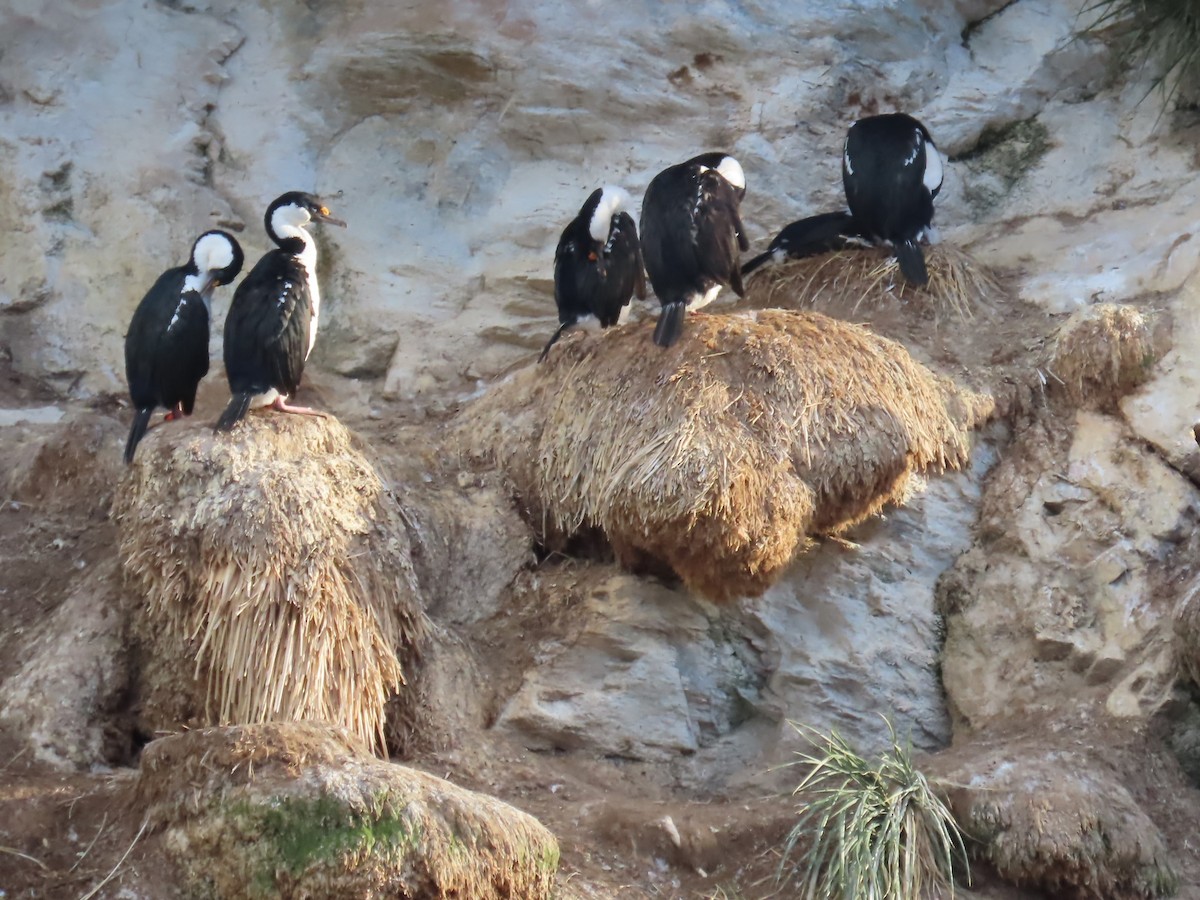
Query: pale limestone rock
x=624, y=684
x=1058, y=601
x=62, y=699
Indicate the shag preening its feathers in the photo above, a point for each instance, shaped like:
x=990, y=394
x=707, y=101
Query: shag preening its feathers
x=597, y=264
x=166, y=347
x=692, y=236
x=272, y=322
x=891, y=171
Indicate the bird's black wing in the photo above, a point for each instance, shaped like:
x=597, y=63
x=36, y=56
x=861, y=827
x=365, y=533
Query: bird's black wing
x=883, y=171
x=572, y=275
x=267, y=329
x=719, y=233
x=166, y=347
x=623, y=271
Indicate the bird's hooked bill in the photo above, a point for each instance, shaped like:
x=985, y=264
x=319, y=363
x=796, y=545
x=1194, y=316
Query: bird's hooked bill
x=323, y=215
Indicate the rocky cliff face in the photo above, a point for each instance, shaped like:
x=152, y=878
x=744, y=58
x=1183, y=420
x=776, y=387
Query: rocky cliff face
x=1046, y=592
x=461, y=137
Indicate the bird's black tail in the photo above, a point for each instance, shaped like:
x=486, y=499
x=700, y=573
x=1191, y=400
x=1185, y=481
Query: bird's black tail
x=758, y=262
x=912, y=262
x=670, y=323
x=239, y=404
x=551, y=342
x=137, y=431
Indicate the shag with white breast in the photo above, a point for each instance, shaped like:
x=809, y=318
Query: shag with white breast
x=891, y=171
x=812, y=236
x=597, y=264
x=166, y=347
x=272, y=323
x=692, y=237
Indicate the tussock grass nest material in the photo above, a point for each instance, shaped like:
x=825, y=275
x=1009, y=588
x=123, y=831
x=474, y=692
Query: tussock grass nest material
x=273, y=563
x=1056, y=819
x=302, y=810
x=862, y=279
x=721, y=454
x=1103, y=352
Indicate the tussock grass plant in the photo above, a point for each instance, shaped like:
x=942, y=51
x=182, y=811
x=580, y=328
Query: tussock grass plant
x=1164, y=30
x=868, y=831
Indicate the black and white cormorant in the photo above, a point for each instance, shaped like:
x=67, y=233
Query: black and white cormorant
x=692, y=236
x=810, y=237
x=597, y=264
x=272, y=321
x=166, y=347
x=892, y=171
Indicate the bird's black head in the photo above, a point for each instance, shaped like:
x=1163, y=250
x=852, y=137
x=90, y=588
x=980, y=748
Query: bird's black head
x=293, y=210
x=216, y=258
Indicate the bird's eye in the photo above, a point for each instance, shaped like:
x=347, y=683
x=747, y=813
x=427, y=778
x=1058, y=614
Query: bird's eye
x=591, y=256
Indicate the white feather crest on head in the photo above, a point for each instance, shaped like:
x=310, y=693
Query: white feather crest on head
x=613, y=199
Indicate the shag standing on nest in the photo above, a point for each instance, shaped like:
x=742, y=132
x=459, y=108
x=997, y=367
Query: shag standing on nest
x=598, y=264
x=272, y=323
x=166, y=347
x=692, y=236
x=892, y=171
x=810, y=237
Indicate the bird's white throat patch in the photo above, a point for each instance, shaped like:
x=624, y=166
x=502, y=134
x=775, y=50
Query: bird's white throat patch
x=613, y=199
x=286, y=221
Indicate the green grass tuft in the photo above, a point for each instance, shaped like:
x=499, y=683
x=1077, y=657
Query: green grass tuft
x=873, y=832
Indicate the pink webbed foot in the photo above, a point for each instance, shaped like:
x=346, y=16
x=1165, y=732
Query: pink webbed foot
x=282, y=406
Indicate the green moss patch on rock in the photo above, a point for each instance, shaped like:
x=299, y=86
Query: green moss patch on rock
x=304, y=810
x=999, y=159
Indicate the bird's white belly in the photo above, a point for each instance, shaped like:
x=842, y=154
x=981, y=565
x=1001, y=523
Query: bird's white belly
x=264, y=399
x=701, y=300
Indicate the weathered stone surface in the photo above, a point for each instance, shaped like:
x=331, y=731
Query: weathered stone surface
x=648, y=673
x=1076, y=525
x=63, y=698
x=449, y=238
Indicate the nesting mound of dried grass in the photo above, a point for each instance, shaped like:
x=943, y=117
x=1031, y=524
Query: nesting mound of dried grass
x=847, y=281
x=273, y=563
x=1057, y=821
x=1103, y=352
x=721, y=454
x=301, y=810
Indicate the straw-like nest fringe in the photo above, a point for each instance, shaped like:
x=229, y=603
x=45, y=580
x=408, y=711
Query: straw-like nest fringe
x=720, y=455
x=1103, y=352
x=301, y=810
x=1046, y=821
x=272, y=565
x=861, y=279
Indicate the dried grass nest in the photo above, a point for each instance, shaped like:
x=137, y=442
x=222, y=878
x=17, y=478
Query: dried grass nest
x=273, y=569
x=302, y=810
x=721, y=455
x=1054, y=819
x=861, y=279
x=1102, y=352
